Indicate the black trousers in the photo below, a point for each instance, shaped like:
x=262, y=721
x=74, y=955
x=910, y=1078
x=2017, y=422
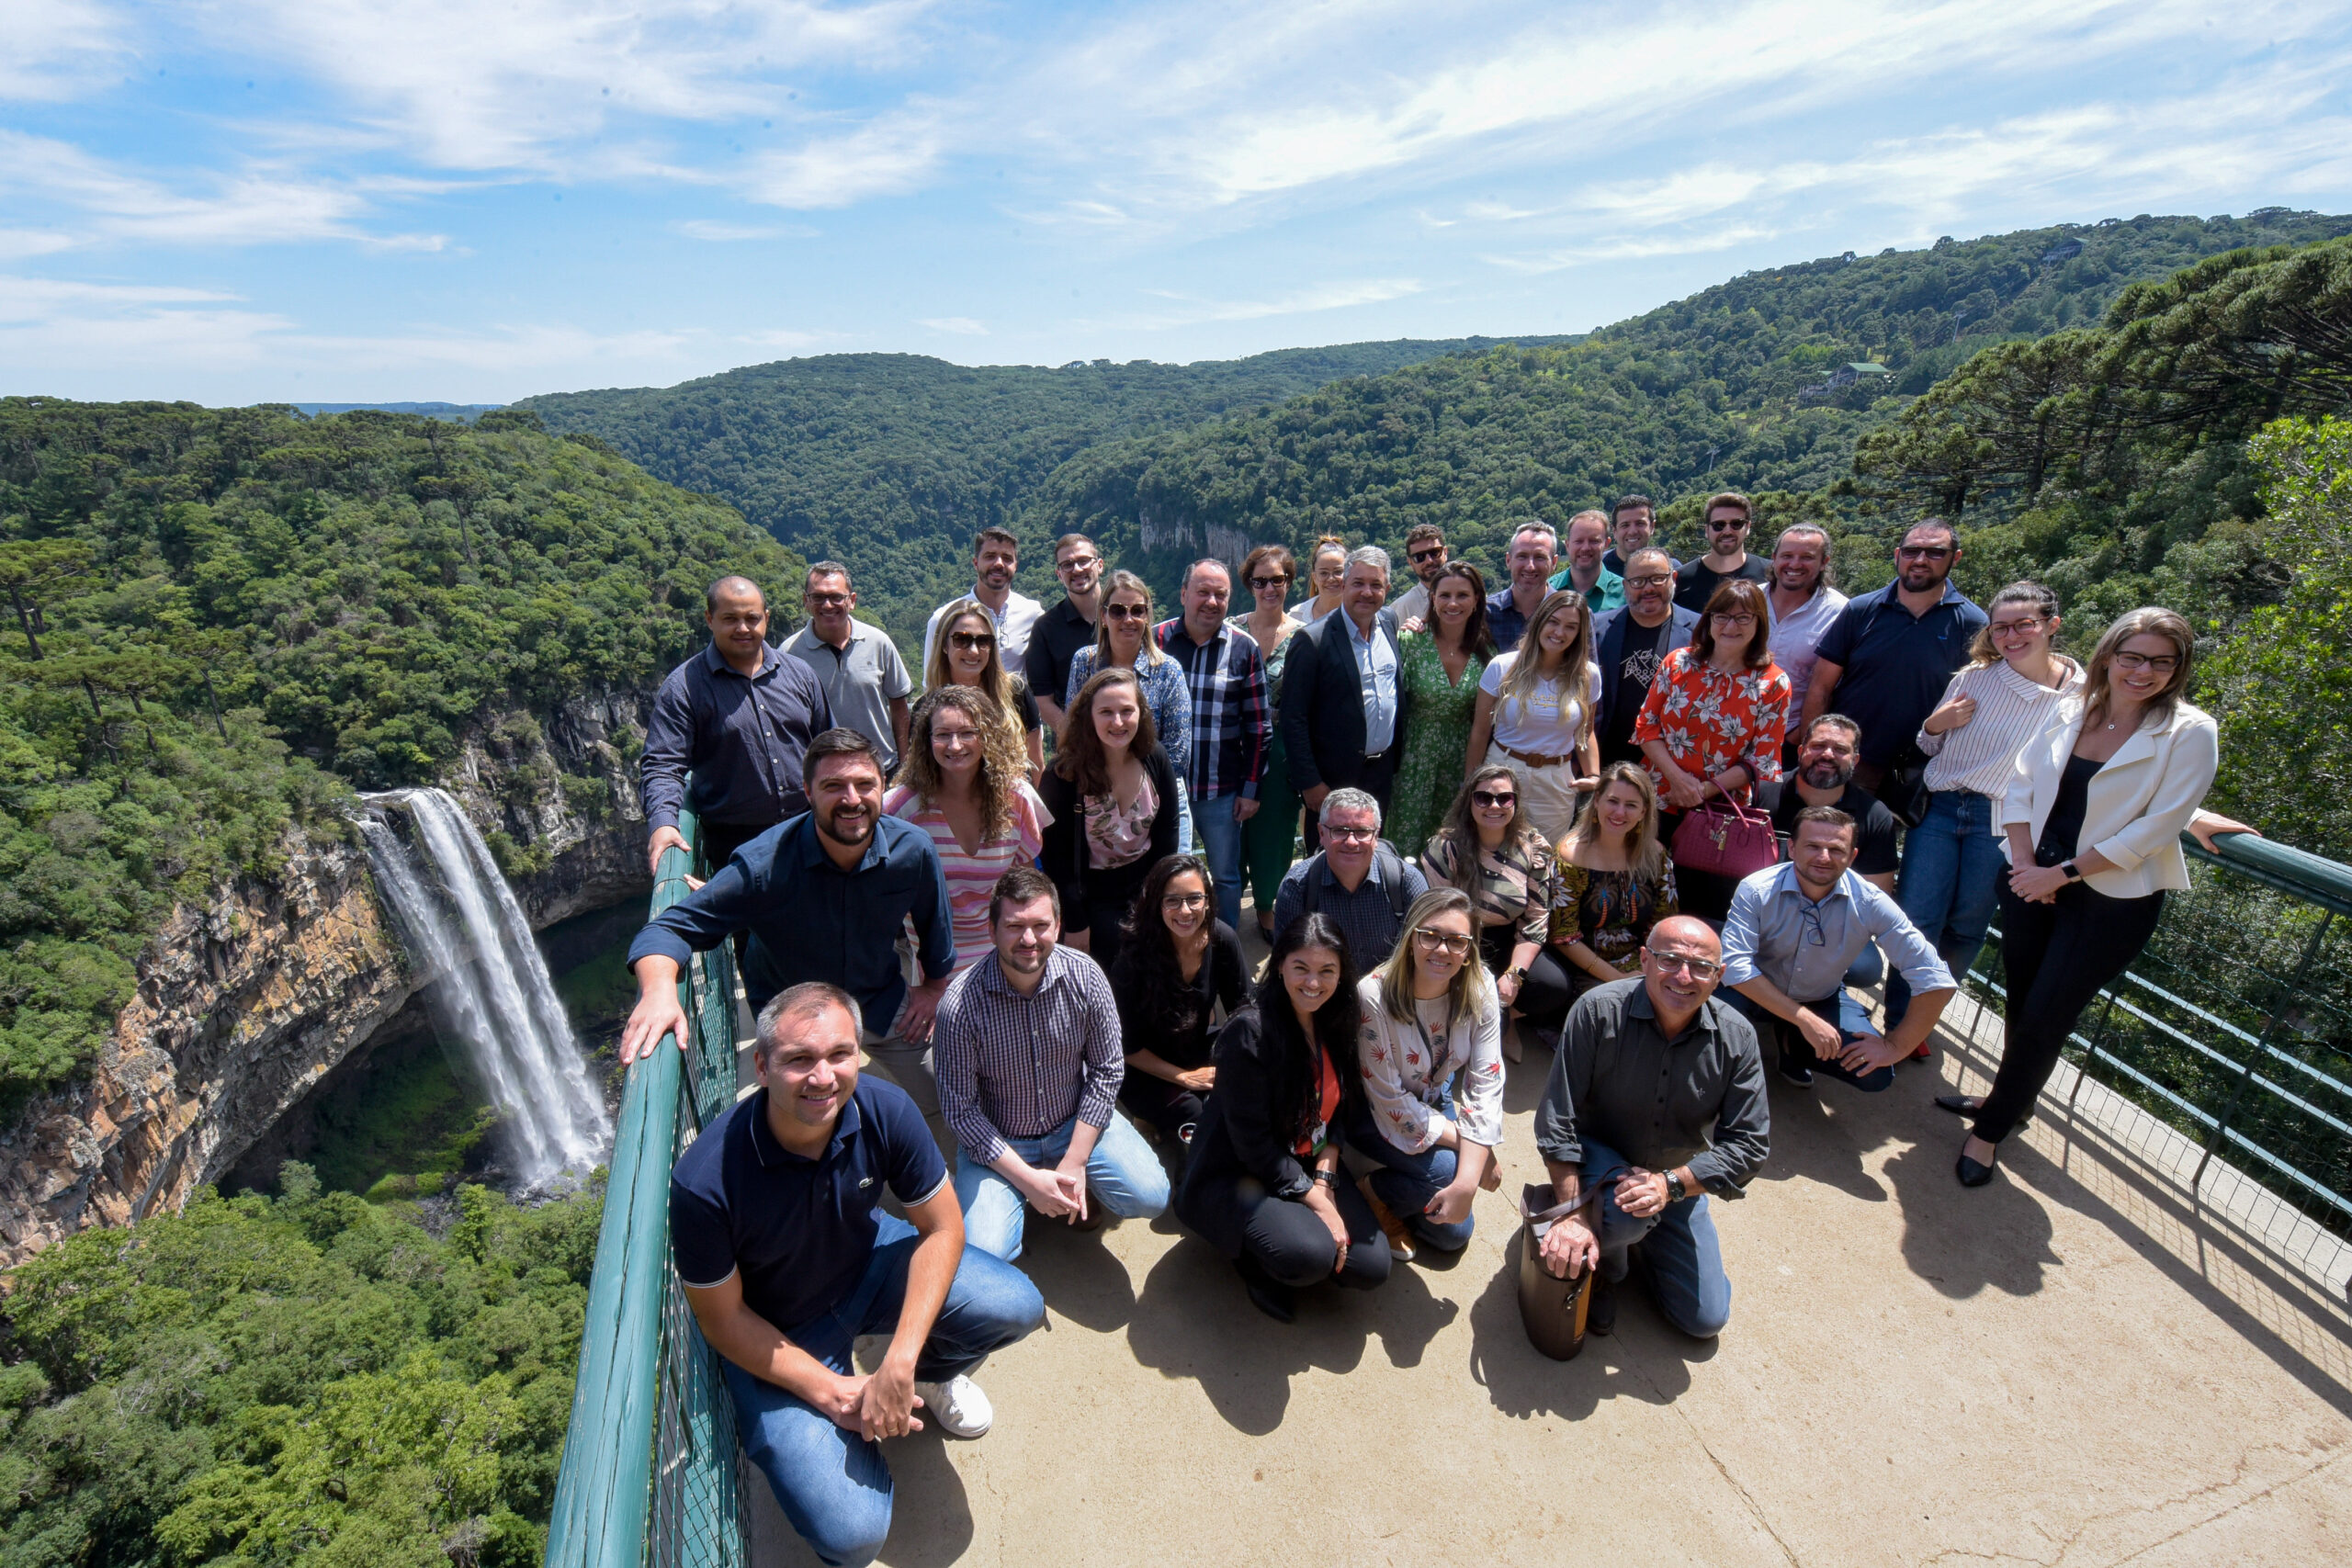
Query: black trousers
x=1286, y=1242
x=2056, y=957
x=1110, y=898
x=1167, y=1106
x=1544, y=995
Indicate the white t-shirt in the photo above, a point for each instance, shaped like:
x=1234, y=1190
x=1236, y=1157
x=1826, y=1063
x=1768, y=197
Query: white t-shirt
x=1549, y=723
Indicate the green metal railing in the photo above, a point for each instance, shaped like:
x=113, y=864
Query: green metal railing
x=2233, y=1030
x=651, y=1472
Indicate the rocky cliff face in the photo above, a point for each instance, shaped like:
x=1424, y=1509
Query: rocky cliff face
x=246, y=1004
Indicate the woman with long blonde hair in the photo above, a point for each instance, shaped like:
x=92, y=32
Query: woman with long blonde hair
x=966, y=654
x=1615, y=881
x=965, y=780
x=1535, y=711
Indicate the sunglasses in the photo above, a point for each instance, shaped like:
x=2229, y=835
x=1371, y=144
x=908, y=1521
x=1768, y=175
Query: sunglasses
x=1923, y=552
x=1488, y=797
x=829, y=600
x=1127, y=612
x=1420, y=556
x=1266, y=585
x=970, y=642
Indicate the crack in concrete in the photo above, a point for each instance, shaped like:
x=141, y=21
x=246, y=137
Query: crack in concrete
x=1755, y=1509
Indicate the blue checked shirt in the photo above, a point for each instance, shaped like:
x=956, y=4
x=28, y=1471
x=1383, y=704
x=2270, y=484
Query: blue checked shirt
x=1232, y=726
x=1016, y=1066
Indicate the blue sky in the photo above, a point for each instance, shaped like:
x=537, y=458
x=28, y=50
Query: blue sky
x=239, y=200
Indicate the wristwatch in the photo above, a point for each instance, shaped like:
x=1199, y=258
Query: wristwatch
x=1517, y=971
x=1675, y=1191
x=2073, y=873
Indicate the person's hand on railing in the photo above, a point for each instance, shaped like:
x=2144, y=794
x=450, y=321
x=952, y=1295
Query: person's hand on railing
x=2208, y=826
x=657, y=1011
x=664, y=839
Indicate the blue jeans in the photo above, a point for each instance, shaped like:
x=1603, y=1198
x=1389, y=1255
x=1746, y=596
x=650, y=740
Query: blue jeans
x=1123, y=1171
x=831, y=1484
x=1678, y=1243
x=1405, y=1182
x=1853, y=1023
x=1183, y=818
x=1951, y=881
x=1220, y=841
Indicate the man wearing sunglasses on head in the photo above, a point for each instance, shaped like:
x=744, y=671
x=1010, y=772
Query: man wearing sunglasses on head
x=1655, y=1104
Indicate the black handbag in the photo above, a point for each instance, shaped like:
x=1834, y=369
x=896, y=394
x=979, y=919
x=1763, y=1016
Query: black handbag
x=1903, y=788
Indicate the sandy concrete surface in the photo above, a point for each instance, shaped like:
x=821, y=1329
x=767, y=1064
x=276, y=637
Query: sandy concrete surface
x=2068, y=1366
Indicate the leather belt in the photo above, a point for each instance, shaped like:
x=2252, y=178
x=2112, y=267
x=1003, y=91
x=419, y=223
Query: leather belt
x=1531, y=759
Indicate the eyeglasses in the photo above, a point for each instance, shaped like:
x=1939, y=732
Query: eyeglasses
x=970, y=642
x=829, y=600
x=1701, y=968
x=1334, y=572
x=2015, y=629
x=2163, y=663
x=1435, y=940
x=1656, y=580
x=1489, y=798
x=1127, y=612
x=1350, y=835
x=1430, y=554
x=1741, y=619
x=1264, y=585
x=1185, y=903
x=1075, y=563
x=1923, y=552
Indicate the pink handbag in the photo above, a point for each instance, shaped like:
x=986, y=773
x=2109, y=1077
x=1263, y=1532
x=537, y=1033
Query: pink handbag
x=1724, y=840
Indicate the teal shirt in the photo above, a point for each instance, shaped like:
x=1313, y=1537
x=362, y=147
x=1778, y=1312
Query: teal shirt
x=1607, y=592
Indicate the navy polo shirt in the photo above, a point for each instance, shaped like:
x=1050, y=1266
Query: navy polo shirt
x=1896, y=664
x=799, y=1231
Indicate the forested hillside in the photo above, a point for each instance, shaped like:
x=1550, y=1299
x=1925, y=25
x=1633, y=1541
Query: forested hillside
x=1729, y=388
x=893, y=462
x=219, y=620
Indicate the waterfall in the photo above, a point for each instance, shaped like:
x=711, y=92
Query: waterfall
x=487, y=986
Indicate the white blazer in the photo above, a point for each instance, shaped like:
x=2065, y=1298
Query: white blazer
x=2140, y=802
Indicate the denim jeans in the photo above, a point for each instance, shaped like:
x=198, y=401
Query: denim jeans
x=1220, y=841
x=1950, y=881
x=1123, y=1171
x=1405, y=1182
x=831, y=1484
x=1183, y=818
x=1853, y=1023
x=1678, y=1243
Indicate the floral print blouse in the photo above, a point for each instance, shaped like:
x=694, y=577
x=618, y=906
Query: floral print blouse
x=1120, y=835
x=1406, y=1067
x=1511, y=885
x=1611, y=911
x=1711, y=721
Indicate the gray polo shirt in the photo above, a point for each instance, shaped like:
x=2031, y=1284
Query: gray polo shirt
x=859, y=681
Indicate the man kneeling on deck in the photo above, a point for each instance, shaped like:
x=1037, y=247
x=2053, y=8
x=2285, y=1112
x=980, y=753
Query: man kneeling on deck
x=1656, y=1102
x=785, y=1261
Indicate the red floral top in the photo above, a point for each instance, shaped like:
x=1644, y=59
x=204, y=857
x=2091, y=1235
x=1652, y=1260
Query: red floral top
x=1711, y=721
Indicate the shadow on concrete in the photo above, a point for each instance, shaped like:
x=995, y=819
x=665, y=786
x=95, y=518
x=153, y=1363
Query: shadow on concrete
x=1821, y=1133
x=1645, y=1360
x=931, y=1519
x=1523, y=1080
x=1076, y=1273
x=1961, y=1240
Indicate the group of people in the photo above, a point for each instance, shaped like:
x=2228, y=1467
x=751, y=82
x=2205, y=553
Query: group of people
x=1648, y=814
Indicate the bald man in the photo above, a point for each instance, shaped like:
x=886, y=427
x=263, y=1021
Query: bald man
x=729, y=727
x=1655, y=1105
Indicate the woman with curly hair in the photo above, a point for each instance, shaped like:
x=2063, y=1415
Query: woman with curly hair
x=964, y=782
x=966, y=655
x=1177, y=965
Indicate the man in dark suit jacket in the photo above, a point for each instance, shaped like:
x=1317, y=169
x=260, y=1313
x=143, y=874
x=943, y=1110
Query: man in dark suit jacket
x=1629, y=645
x=1343, y=693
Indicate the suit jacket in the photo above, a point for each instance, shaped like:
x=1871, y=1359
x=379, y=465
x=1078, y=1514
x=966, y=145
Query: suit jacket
x=1608, y=651
x=1322, y=708
x=2139, y=803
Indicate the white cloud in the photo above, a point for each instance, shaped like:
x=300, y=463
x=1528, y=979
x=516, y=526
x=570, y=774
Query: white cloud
x=1336, y=296
x=885, y=158
x=962, y=325
x=53, y=49
x=16, y=244
x=722, y=233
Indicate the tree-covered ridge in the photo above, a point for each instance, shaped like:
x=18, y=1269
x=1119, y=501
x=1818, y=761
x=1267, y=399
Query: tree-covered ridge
x=894, y=462
x=212, y=622
x=312, y=1377
x=1727, y=390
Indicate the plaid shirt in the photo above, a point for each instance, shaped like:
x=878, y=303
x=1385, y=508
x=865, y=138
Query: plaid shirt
x=1016, y=1066
x=1232, y=727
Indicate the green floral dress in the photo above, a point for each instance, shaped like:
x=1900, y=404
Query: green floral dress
x=1437, y=736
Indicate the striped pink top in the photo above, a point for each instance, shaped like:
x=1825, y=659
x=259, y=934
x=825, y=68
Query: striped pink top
x=971, y=877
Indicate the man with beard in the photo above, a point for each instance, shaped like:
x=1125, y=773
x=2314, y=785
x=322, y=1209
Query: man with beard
x=996, y=556
x=1588, y=539
x=1802, y=604
x=1425, y=550
x=1535, y=552
x=1888, y=656
x=822, y=898
x=1061, y=631
x=1632, y=522
x=1630, y=644
x=1827, y=750
x=1729, y=518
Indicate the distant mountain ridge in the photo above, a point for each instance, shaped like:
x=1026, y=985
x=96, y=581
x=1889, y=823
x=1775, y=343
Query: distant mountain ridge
x=464, y=413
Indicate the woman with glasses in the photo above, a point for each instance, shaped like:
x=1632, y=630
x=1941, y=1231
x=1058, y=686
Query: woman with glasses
x=1269, y=837
x=965, y=655
x=1713, y=723
x=1535, y=710
x=1491, y=853
x=1327, y=572
x=1951, y=861
x=1614, y=884
x=1262, y=1182
x=2092, y=818
x=1112, y=794
x=1439, y=670
x=1122, y=641
x=1430, y=1051
x=1177, y=967
x=964, y=782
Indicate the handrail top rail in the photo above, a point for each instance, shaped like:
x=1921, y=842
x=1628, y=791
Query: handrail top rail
x=2315, y=879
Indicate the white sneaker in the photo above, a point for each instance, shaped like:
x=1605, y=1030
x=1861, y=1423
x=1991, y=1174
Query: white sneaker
x=958, y=1406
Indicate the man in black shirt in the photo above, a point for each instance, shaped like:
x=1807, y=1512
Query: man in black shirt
x=1631, y=643
x=1728, y=516
x=1061, y=631
x=1632, y=521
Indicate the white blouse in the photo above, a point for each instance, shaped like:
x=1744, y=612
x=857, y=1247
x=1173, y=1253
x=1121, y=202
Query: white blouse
x=2010, y=711
x=1407, y=1066
x=1552, y=719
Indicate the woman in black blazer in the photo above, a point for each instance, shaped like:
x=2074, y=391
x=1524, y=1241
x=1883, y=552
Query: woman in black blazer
x=1115, y=805
x=1264, y=1183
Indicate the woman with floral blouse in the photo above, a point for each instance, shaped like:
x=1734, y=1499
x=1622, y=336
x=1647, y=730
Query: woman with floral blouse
x=1614, y=882
x=1489, y=851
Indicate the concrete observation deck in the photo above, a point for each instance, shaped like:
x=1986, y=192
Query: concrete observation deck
x=2073, y=1365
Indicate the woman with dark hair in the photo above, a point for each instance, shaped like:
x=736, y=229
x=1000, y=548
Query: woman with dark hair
x=965, y=781
x=1490, y=852
x=1177, y=964
x=1614, y=884
x=1431, y=1018
x=2093, y=817
x=1713, y=722
x=965, y=655
x=1438, y=671
x=1536, y=711
x=1112, y=793
x=1264, y=1183
x=1270, y=835
x=1122, y=641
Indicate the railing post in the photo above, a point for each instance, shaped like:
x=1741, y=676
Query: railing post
x=2279, y=996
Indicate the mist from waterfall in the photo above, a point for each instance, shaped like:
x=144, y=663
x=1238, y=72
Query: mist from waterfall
x=488, y=987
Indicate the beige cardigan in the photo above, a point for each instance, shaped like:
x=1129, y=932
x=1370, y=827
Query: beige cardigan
x=2139, y=803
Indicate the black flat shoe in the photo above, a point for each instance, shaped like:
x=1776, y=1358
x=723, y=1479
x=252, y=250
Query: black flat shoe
x=1272, y=1300
x=1972, y=1174
x=1959, y=1104
x=1601, y=1309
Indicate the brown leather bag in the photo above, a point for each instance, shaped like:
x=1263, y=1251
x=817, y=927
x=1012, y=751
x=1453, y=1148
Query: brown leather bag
x=1552, y=1309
